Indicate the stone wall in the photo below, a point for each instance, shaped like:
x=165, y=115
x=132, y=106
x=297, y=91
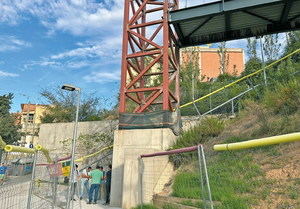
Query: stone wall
x=51, y=134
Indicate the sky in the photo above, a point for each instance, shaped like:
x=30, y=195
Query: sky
x=44, y=44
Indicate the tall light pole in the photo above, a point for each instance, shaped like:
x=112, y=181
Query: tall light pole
x=73, y=88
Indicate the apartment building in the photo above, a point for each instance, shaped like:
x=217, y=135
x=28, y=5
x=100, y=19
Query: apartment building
x=212, y=62
x=30, y=120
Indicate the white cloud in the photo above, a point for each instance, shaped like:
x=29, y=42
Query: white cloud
x=79, y=17
x=102, y=77
x=7, y=74
x=12, y=43
x=88, y=54
x=108, y=47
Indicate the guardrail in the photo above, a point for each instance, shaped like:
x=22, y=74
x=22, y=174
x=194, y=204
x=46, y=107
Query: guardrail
x=240, y=79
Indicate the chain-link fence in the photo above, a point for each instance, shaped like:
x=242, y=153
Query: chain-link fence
x=176, y=178
x=15, y=175
x=31, y=181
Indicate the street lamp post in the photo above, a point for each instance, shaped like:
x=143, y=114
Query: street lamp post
x=73, y=88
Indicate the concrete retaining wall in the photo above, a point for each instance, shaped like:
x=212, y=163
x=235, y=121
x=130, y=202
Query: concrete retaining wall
x=51, y=134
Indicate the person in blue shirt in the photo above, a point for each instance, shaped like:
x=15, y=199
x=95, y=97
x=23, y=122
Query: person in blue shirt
x=3, y=169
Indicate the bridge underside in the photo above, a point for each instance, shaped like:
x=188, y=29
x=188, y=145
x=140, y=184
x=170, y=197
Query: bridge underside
x=234, y=19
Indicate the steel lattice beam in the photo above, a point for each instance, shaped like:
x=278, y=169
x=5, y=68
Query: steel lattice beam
x=150, y=57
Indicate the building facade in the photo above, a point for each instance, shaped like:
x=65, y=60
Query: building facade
x=213, y=62
x=30, y=120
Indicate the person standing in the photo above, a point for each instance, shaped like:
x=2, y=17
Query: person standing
x=74, y=181
x=3, y=169
x=84, y=188
x=97, y=177
x=108, y=184
x=102, y=186
x=31, y=145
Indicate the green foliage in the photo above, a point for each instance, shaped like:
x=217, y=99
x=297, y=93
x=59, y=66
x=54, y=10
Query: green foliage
x=207, y=128
x=271, y=46
x=196, y=204
x=186, y=185
x=251, y=47
x=293, y=44
x=170, y=206
x=284, y=98
x=145, y=206
x=8, y=129
x=63, y=107
x=235, y=181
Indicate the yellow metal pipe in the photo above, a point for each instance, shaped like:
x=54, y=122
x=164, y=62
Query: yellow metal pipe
x=12, y=148
x=239, y=80
x=2, y=143
x=93, y=154
x=258, y=142
x=44, y=151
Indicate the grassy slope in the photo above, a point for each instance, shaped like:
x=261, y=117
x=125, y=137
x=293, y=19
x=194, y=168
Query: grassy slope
x=257, y=178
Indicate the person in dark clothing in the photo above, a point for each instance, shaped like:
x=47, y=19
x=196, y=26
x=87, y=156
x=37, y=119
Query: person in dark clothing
x=31, y=145
x=108, y=184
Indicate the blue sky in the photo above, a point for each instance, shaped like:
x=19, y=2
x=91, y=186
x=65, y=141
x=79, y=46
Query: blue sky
x=46, y=43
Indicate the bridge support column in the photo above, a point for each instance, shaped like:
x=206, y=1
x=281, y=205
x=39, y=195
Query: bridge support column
x=126, y=172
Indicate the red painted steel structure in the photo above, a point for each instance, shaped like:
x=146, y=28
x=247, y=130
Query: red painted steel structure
x=150, y=57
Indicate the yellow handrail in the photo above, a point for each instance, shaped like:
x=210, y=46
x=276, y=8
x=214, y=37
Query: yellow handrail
x=93, y=154
x=2, y=143
x=239, y=80
x=44, y=151
x=12, y=148
x=258, y=142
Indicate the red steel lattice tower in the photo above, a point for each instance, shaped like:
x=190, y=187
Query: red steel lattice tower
x=150, y=57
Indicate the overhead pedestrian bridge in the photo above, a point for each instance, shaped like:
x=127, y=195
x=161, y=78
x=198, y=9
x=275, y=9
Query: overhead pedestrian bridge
x=234, y=19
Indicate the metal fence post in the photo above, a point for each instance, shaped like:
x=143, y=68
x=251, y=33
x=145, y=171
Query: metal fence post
x=141, y=180
x=201, y=175
x=54, y=179
x=232, y=107
x=32, y=181
x=206, y=176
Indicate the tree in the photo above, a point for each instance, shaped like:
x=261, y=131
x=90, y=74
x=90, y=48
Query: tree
x=224, y=57
x=271, y=47
x=189, y=75
x=8, y=129
x=62, y=107
x=251, y=48
x=293, y=44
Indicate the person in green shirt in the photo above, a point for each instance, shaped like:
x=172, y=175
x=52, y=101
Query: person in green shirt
x=96, y=176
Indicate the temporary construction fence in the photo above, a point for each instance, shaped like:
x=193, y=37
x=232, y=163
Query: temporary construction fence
x=227, y=179
x=160, y=179
x=49, y=183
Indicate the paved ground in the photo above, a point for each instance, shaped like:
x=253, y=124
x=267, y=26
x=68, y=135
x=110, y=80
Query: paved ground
x=92, y=206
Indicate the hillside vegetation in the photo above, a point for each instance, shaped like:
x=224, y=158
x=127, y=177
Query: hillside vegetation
x=267, y=177
x=257, y=178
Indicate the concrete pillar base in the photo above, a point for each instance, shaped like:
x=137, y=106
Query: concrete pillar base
x=126, y=175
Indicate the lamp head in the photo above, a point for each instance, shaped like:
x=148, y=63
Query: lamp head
x=68, y=87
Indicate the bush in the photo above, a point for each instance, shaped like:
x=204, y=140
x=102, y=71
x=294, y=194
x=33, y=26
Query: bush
x=285, y=99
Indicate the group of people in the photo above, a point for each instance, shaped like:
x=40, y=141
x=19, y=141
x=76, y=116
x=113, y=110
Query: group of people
x=90, y=181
